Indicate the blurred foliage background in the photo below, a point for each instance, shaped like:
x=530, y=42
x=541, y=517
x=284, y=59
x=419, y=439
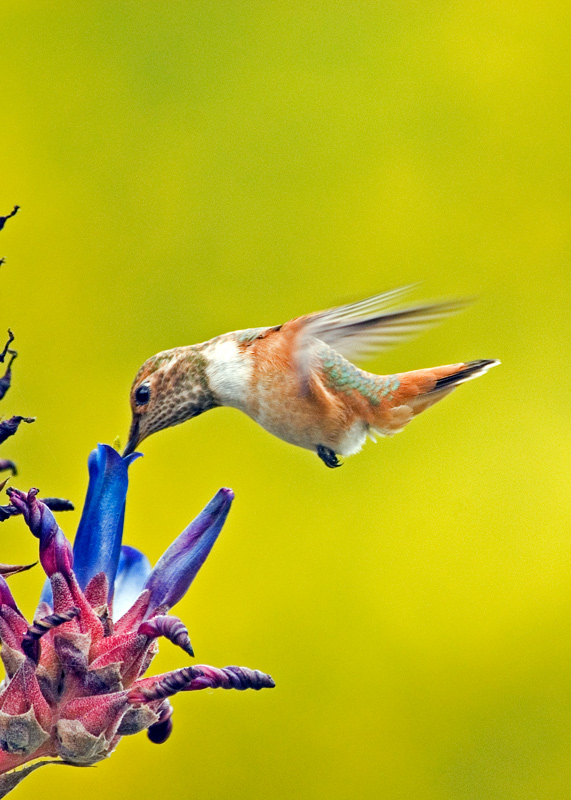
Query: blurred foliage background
x=184, y=169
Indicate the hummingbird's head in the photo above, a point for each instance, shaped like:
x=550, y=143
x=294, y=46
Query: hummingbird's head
x=170, y=388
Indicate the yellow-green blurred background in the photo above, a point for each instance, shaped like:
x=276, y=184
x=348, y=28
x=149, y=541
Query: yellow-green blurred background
x=188, y=168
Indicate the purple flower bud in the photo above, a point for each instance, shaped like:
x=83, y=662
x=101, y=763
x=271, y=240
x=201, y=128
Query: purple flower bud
x=177, y=567
x=190, y=679
x=6, y=379
x=55, y=550
x=3, y=221
x=58, y=504
x=7, y=511
x=53, y=503
x=7, y=464
x=169, y=627
x=5, y=382
x=162, y=729
x=240, y=678
x=9, y=426
x=13, y=569
x=31, y=640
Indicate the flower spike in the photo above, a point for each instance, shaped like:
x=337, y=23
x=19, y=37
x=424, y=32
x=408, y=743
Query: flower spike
x=75, y=678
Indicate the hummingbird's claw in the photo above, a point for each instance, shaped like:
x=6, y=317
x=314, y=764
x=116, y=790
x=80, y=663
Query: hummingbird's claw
x=328, y=456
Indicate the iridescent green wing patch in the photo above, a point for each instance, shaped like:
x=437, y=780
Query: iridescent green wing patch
x=342, y=376
x=386, y=385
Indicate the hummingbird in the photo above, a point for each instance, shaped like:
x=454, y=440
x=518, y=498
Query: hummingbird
x=297, y=380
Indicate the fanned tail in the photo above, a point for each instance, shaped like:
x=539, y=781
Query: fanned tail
x=467, y=371
x=422, y=388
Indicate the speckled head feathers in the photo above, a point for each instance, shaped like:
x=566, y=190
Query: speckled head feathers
x=169, y=388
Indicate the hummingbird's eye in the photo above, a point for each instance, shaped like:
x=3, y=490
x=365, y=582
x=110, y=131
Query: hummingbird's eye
x=142, y=395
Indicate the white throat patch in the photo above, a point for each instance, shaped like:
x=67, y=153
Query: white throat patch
x=229, y=372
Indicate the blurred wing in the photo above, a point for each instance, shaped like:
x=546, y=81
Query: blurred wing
x=370, y=326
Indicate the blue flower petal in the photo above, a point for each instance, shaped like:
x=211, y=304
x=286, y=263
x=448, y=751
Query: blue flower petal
x=133, y=570
x=98, y=540
x=177, y=567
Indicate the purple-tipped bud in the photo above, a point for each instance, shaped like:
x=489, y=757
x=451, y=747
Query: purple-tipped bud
x=53, y=503
x=160, y=731
x=7, y=511
x=5, y=382
x=9, y=426
x=31, y=640
x=6, y=379
x=7, y=464
x=190, y=679
x=177, y=567
x=58, y=504
x=3, y=220
x=240, y=678
x=13, y=569
x=149, y=690
x=55, y=550
x=169, y=627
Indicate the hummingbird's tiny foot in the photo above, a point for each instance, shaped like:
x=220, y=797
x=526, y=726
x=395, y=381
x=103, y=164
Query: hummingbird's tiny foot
x=327, y=455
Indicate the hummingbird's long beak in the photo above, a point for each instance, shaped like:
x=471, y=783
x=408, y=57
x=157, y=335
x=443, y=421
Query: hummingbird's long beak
x=133, y=439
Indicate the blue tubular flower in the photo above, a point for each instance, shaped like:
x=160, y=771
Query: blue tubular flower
x=133, y=570
x=97, y=543
x=177, y=567
x=75, y=678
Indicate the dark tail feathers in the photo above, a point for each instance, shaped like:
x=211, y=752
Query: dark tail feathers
x=469, y=370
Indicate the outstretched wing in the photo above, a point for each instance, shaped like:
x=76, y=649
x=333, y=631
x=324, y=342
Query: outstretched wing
x=358, y=330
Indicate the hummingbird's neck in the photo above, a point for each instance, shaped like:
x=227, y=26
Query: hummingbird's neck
x=229, y=371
